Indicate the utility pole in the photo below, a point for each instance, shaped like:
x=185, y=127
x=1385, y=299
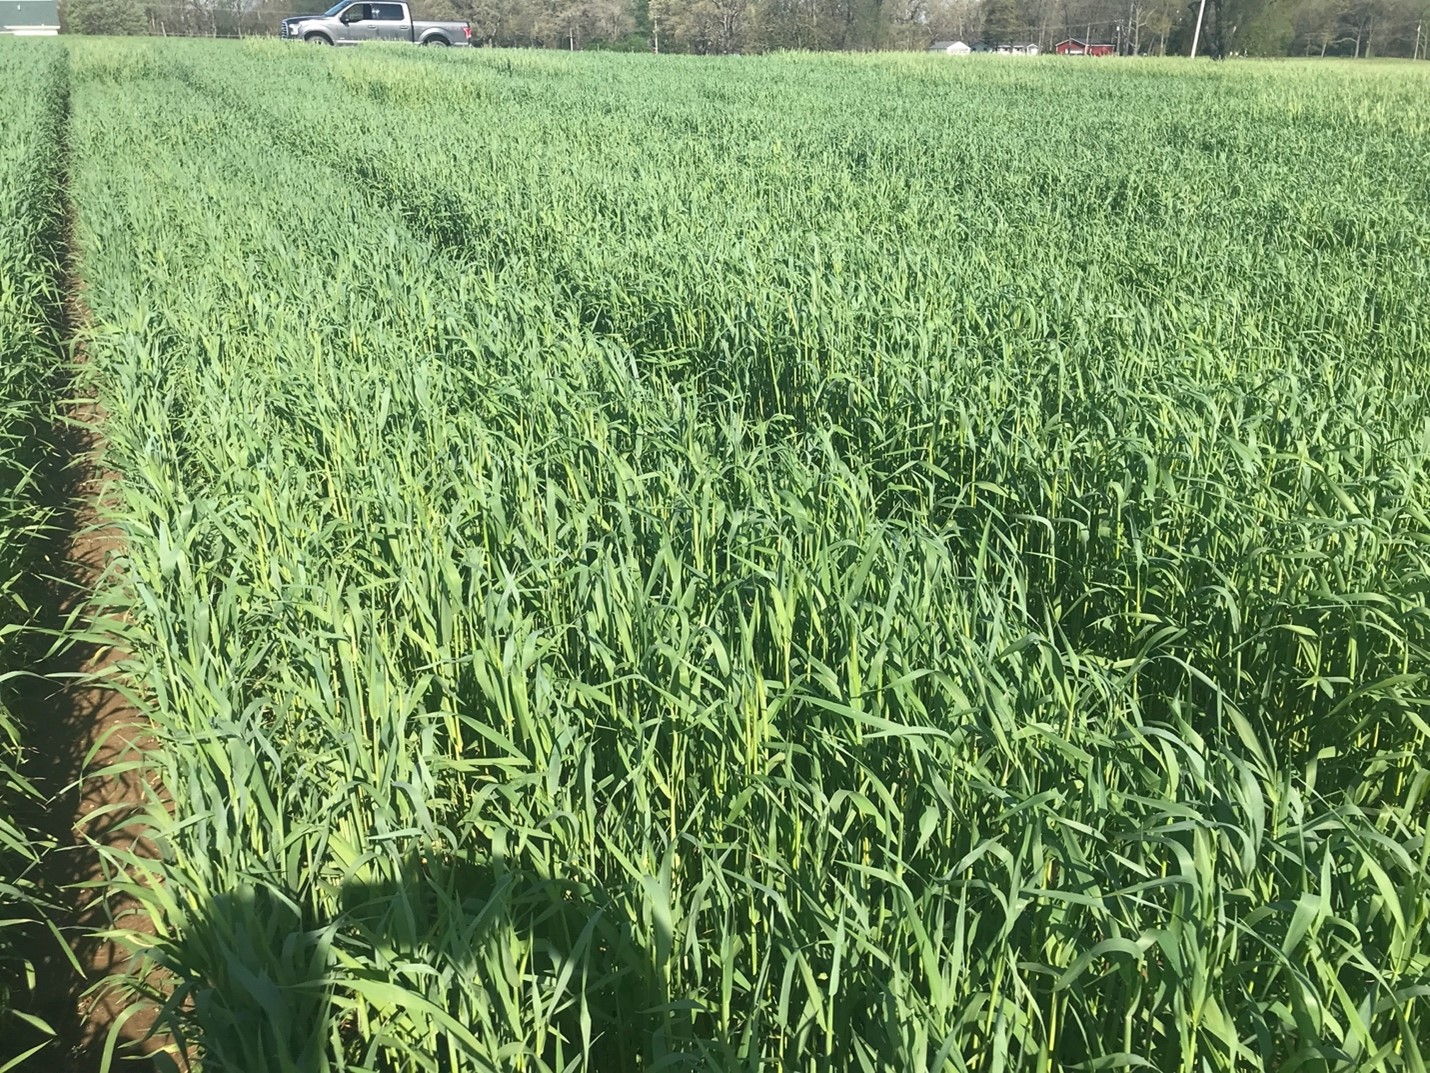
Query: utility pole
x=1197, y=33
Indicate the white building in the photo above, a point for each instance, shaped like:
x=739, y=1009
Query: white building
x=29, y=18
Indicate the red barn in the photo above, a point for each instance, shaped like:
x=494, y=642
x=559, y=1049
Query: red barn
x=1073, y=47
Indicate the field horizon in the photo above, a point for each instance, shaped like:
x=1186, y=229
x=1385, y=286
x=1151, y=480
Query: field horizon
x=802, y=562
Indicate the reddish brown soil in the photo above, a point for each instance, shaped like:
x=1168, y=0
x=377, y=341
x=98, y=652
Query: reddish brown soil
x=78, y=724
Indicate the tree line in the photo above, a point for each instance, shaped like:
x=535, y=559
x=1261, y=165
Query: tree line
x=1359, y=28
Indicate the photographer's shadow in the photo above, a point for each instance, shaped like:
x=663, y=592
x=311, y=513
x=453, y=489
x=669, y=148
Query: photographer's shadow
x=445, y=959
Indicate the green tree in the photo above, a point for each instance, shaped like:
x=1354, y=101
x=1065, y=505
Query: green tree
x=103, y=17
x=1259, y=27
x=1003, y=22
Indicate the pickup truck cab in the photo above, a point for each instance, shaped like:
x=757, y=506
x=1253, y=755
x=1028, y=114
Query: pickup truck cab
x=349, y=23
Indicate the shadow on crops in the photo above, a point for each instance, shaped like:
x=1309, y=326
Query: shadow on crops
x=259, y=973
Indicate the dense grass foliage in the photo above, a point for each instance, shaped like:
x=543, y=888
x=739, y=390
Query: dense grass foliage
x=32, y=114
x=808, y=563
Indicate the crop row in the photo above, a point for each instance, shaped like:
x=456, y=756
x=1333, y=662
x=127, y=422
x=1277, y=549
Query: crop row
x=32, y=116
x=735, y=565
x=816, y=280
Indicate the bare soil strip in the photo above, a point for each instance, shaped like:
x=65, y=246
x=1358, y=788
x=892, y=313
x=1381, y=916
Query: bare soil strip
x=78, y=725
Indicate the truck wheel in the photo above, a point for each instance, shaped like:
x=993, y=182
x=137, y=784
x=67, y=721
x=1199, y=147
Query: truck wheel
x=317, y=39
x=441, y=42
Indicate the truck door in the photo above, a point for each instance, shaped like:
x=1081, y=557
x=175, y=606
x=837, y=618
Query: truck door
x=358, y=24
x=392, y=22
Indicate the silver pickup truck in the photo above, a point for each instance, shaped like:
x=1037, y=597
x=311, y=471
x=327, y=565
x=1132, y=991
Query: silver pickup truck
x=353, y=24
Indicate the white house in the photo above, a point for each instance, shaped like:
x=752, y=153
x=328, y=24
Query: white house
x=29, y=18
